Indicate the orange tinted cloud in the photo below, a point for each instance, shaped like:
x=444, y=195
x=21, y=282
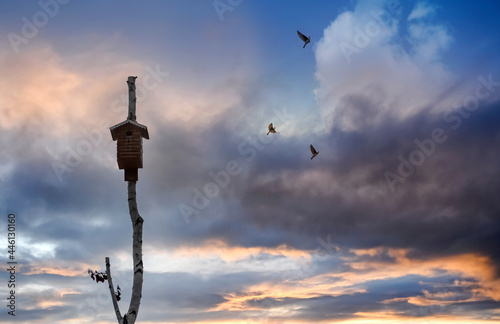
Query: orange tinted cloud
x=467, y=265
x=49, y=94
x=60, y=268
x=336, y=284
x=228, y=253
x=394, y=318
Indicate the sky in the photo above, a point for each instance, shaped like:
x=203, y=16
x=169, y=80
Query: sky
x=396, y=220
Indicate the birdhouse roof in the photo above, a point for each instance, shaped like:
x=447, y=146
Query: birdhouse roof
x=129, y=123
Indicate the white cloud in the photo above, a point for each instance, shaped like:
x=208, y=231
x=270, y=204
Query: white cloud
x=421, y=10
x=428, y=41
x=368, y=75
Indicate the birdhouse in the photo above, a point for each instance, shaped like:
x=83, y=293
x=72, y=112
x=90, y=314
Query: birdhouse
x=129, y=135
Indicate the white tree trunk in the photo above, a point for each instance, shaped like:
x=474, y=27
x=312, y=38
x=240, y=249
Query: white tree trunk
x=135, y=301
x=112, y=291
x=131, y=97
x=137, y=222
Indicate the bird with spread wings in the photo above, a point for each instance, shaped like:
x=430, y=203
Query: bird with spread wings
x=306, y=40
x=271, y=129
x=314, y=152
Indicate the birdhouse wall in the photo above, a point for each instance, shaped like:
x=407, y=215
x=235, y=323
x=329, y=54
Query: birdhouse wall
x=131, y=175
x=129, y=148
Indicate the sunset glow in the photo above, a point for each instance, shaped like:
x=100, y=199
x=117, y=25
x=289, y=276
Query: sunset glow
x=297, y=162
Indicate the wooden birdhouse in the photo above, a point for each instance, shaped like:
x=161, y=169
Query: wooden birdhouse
x=129, y=135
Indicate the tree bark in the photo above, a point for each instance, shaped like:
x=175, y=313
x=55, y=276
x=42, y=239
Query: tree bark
x=135, y=300
x=112, y=291
x=131, y=97
x=137, y=222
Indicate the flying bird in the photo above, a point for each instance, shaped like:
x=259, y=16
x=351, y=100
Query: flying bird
x=306, y=40
x=272, y=129
x=314, y=152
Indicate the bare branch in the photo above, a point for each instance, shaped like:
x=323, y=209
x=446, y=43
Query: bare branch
x=131, y=97
x=112, y=291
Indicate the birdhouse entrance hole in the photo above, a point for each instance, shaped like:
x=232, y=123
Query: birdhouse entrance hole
x=129, y=135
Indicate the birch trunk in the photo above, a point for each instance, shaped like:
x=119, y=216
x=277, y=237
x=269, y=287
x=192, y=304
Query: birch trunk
x=112, y=291
x=131, y=97
x=137, y=222
x=135, y=300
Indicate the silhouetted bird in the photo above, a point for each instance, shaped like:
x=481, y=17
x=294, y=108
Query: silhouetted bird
x=306, y=40
x=271, y=129
x=314, y=152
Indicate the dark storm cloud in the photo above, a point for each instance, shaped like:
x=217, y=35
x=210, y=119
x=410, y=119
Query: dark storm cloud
x=459, y=176
x=43, y=291
x=447, y=206
x=194, y=295
x=74, y=215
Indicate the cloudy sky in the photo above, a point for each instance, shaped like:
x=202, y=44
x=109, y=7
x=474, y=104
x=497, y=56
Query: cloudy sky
x=397, y=220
